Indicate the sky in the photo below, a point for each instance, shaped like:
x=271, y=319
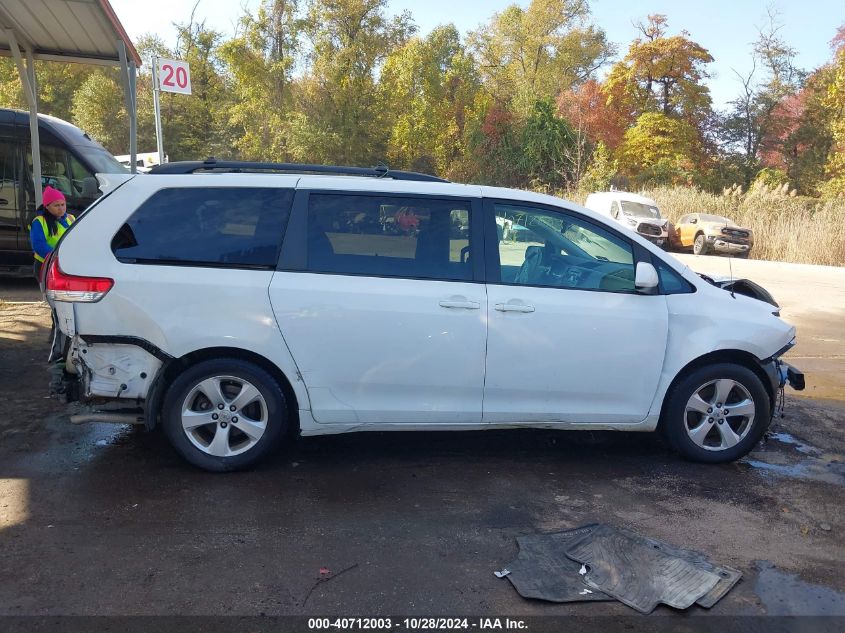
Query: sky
x=725, y=27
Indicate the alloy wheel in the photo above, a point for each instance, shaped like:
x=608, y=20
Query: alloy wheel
x=719, y=414
x=224, y=416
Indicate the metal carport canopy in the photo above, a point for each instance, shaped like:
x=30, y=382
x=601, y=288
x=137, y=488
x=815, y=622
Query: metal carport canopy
x=80, y=31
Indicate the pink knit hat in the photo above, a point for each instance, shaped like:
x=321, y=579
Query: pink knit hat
x=50, y=195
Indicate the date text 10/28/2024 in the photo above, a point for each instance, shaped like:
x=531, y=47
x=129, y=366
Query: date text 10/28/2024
x=416, y=624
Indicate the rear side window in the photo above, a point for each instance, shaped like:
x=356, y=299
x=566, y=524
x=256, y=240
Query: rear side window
x=214, y=226
x=386, y=236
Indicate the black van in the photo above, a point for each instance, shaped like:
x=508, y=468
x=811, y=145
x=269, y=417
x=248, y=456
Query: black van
x=69, y=160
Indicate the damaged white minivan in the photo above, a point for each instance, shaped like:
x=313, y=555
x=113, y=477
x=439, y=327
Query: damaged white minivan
x=235, y=304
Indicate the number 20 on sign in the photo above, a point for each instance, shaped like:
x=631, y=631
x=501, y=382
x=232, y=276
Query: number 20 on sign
x=174, y=76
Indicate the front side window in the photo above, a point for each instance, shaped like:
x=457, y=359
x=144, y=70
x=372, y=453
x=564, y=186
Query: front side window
x=671, y=281
x=562, y=251
x=389, y=236
x=213, y=226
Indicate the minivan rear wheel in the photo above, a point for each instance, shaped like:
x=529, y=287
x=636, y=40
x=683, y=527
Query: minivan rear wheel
x=717, y=413
x=224, y=414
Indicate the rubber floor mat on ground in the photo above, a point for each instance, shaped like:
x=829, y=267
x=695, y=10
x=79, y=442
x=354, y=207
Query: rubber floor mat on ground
x=543, y=571
x=728, y=576
x=638, y=572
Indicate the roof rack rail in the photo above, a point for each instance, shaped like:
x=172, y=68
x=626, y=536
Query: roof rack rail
x=228, y=166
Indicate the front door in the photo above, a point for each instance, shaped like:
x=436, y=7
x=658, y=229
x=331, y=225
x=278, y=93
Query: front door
x=570, y=340
x=386, y=320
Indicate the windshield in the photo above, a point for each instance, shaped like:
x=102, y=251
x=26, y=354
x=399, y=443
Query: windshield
x=706, y=217
x=640, y=210
x=101, y=160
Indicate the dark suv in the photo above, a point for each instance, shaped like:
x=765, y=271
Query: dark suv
x=69, y=160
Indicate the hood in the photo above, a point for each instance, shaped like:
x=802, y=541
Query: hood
x=742, y=286
x=661, y=222
x=725, y=225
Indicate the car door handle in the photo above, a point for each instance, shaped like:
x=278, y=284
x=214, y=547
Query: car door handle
x=4, y=202
x=513, y=307
x=466, y=305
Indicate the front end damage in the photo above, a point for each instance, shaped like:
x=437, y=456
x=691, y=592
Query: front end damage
x=779, y=372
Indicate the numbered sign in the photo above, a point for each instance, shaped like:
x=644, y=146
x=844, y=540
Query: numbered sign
x=174, y=76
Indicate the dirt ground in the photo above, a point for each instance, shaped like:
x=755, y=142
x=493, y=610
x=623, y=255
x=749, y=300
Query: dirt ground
x=107, y=520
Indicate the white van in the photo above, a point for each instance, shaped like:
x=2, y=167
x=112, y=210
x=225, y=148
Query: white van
x=638, y=213
x=238, y=301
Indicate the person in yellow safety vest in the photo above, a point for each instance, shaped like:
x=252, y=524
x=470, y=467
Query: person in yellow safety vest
x=48, y=226
x=44, y=233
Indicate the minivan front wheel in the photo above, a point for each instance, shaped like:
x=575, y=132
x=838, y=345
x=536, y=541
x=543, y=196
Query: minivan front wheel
x=224, y=414
x=717, y=413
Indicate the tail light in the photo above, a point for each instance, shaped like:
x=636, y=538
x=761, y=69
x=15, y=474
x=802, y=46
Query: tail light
x=74, y=289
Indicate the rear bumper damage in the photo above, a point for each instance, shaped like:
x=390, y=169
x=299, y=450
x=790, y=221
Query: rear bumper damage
x=113, y=367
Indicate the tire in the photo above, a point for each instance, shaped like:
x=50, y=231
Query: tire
x=713, y=437
x=235, y=438
x=699, y=247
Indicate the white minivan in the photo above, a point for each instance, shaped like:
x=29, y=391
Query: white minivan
x=238, y=302
x=634, y=212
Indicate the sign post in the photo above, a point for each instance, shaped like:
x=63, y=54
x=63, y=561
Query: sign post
x=169, y=75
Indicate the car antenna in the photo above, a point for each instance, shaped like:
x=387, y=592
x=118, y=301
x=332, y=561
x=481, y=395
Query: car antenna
x=731, y=268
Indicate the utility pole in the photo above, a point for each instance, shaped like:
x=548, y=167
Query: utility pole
x=157, y=108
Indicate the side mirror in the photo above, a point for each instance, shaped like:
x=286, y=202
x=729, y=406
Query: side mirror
x=693, y=221
x=646, y=280
x=90, y=188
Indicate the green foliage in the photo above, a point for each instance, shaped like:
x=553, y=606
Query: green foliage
x=771, y=177
x=835, y=104
x=98, y=108
x=338, y=95
x=548, y=144
x=427, y=91
x=260, y=63
x=537, y=52
x=659, y=149
x=600, y=172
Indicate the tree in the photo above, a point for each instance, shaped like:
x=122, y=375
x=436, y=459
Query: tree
x=659, y=149
x=752, y=121
x=549, y=147
x=428, y=88
x=834, y=102
x=586, y=109
x=98, y=108
x=537, y=52
x=661, y=74
x=260, y=62
x=336, y=115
